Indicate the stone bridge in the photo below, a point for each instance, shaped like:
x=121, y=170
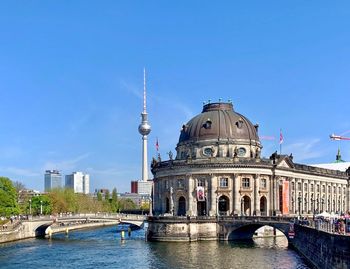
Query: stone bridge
x=42, y=226
x=169, y=228
x=240, y=228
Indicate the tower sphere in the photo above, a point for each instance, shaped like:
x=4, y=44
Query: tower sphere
x=144, y=128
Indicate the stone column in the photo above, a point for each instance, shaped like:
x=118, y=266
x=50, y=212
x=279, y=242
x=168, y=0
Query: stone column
x=237, y=200
x=256, y=195
x=190, y=199
x=212, y=200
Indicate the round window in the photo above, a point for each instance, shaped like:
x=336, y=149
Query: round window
x=241, y=152
x=208, y=151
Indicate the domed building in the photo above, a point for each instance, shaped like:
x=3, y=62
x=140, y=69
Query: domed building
x=218, y=170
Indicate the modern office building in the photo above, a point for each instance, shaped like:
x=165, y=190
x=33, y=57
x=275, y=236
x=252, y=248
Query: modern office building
x=79, y=182
x=53, y=179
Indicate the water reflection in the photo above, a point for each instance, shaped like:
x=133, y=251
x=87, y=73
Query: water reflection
x=103, y=248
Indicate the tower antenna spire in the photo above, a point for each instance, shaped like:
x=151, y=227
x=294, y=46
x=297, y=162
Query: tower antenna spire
x=144, y=130
x=144, y=90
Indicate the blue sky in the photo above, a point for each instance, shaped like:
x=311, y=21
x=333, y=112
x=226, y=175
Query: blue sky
x=71, y=79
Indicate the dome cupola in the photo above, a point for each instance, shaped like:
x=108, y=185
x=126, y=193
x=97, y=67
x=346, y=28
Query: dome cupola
x=218, y=131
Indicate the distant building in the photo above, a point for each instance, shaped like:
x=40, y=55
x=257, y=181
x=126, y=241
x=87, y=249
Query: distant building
x=338, y=164
x=79, y=182
x=144, y=187
x=53, y=179
x=134, y=186
x=102, y=192
x=138, y=199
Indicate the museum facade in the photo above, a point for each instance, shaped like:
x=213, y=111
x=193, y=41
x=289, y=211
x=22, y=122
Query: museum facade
x=219, y=170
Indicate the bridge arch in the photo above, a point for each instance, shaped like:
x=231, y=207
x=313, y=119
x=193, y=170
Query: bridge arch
x=245, y=231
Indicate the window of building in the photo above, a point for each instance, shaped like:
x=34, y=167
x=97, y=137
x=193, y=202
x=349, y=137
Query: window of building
x=263, y=183
x=299, y=186
x=293, y=186
x=166, y=184
x=344, y=191
x=312, y=187
x=305, y=186
x=180, y=184
x=323, y=188
x=245, y=183
x=224, y=182
x=329, y=189
x=318, y=188
x=201, y=182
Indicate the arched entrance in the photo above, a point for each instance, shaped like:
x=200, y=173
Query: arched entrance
x=202, y=208
x=181, y=209
x=167, y=205
x=263, y=206
x=224, y=205
x=245, y=206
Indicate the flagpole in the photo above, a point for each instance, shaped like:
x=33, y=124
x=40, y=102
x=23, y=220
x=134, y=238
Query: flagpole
x=281, y=141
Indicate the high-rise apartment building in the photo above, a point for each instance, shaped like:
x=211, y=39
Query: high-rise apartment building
x=53, y=179
x=79, y=182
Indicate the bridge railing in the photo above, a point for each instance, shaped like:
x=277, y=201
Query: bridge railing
x=225, y=218
x=337, y=226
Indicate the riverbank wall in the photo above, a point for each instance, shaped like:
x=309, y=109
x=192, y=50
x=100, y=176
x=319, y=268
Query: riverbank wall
x=322, y=249
x=28, y=230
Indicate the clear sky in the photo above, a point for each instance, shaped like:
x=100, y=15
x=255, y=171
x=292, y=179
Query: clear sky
x=71, y=75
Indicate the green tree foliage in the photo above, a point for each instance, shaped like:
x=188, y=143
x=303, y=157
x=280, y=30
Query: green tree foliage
x=114, y=201
x=99, y=196
x=126, y=204
x=8, y=198
x=37, y=201
x=107, y=195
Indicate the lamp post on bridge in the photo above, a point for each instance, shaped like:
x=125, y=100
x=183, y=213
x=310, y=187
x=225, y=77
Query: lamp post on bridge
x=30, y=206
x=41, y=207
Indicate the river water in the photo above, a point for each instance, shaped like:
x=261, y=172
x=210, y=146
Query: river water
x=102, y=248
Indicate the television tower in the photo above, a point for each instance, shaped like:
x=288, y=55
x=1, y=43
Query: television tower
x=144, y=130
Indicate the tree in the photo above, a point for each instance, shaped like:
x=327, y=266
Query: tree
x=114, y=201
x=19, y=186
x=127, y=204
x=43, y=201
x=107, y=196
x=8, y=198
x=99, y=196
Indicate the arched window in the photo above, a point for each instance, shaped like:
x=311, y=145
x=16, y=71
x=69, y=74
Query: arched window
x=224, y=205
x=181, y=209
x=167, y=205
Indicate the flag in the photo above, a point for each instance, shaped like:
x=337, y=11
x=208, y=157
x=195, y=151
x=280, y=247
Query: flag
x=281, y=137
x=200, y=194
x=157, y=145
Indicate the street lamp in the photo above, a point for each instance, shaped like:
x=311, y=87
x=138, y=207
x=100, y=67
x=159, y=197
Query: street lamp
x=30, y=206
x=41, y=207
